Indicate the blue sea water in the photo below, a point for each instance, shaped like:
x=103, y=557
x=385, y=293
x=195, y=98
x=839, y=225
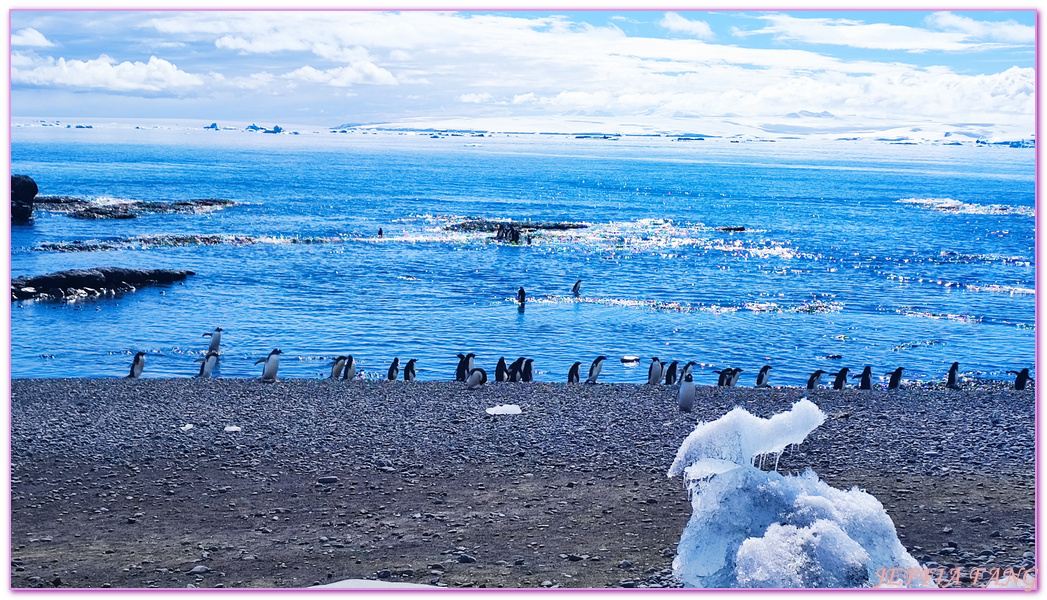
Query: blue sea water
x=881, y=254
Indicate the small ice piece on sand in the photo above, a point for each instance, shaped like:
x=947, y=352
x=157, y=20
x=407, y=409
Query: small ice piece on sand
x=504, y=409
x=186, y=427
x=232, y=428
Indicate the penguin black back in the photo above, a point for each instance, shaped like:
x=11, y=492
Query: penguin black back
x=409, y=370
x=670, y=373
x=866, y=378
x=815, y=379
x=573, y=376
x=896, y=379
x=1021, y=378
x=528, y=373
x=394, y=369
x=501, y=372
x=841, y=379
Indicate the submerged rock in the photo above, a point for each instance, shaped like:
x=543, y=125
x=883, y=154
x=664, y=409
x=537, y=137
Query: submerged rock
x=23, y=191
x=91, y=282
x=79, y=208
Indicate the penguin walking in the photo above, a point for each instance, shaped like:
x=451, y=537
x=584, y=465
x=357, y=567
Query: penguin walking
x=950, y=381
x=501, y=371
x=338, y=366
x=572, y=375
x=207, y=365
x=670, y=373
x=895, y=380
x=350, y=368
x=272, y=363
x=476, y=378
x=815, y=379
x=521, y=296
x=216, y=339
x=137, y=364
x=595, y=368
x=841, y=379
x=577, y=289
x=528, y=374
x=394, y=369
x=654, y=372
x=763, y=376
x=685, y=397
x=1021, y=378
x=735, y=374
x=866, y=378
x=409, y=370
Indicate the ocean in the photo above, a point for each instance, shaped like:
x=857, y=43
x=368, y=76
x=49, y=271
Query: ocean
x=731, y=252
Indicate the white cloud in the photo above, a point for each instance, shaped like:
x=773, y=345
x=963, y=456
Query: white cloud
x=995, y=31
x=254, y=81
x=475, y=98
x=362, y=72
x=858, y=34
x=30, y=37
x=674, y=22
x=524, y=98
x=103, y=72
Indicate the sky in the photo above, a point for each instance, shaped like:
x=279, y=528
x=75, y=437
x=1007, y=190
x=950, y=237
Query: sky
x=337, y=67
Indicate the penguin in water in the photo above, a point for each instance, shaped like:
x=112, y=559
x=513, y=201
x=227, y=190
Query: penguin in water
x=896, y=378
x=272, y=363
x=685, y=397
x=763, y=376
x=338, y=366
x=521, y=296
x=1021, y=378
x=528, y=373
x=137, y=364
x=670, y=373
x=595, y=368
x=572, y=375
x=950, y=381
x=462, y=371
x=207, y=365
x=476, y=378
x=841, y=379
x=736, y=373
x=350, y=368
x=815, y=379
x=866, y=378
x=654, y=372
x=216, y=338
x=501, y=371
x=577, y=288
x=394, y=369
x=409, y=370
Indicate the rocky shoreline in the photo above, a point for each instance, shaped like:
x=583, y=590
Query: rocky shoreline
x=416, y=482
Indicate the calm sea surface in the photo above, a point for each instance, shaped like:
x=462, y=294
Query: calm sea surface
x=875, y=253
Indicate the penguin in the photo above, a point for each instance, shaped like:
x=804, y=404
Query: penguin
x=763, y=376
x=409, y=371
x=866, y=378
x=896, y=379
x=521, y=296
x=687, y=369
x=350, y=368
x=724, y=376
x=207, y=365
x=394, y=369
x=216, y=338
x=572, y=375
x=685, y=397
x=654, y=372
x=670, y=373
x=1021, y=378
x=815, y=379
x=137, y=364
x=595, y=368
x=501, y=372
x=577, y=289
x=461, y=373
x=841, y=379
x=469, y=366
x=380, y=232
x=476, y=378
x=272, y=363
x=528, y=374
x=516, y=369
x=951, y=380
x=735, y=374
x=336, y=368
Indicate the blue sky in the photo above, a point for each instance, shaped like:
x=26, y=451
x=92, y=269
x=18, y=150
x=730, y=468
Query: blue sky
x=365, y=66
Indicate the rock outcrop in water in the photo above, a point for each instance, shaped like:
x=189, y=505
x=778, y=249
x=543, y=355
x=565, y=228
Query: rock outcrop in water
x=23, y=191
x=82, y=283
x=78, y=208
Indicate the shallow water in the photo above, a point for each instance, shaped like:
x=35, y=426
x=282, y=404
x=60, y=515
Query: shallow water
x=888, y=255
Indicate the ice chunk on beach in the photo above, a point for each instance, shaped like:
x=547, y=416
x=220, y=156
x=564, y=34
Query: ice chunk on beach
x=231, y=428
x=504, y=409
x=751, y=528
x=186, y=427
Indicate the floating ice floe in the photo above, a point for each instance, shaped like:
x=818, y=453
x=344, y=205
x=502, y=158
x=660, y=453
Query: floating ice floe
x=751, y=528
x=231, y=428
x=504, y=409
x=955, y=206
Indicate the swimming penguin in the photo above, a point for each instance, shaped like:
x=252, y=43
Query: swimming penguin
x=951, y=380
x=528, y=374
x=763, y=376
x=815, y=379
x=841, y=379
x=461, y=372
x=595, y=368
x=336, y=368
x=409, y=371
x=735, y=374
x=216, y=338
x=896, y=379
x=577, y=289
x=654, y=372
x=866, y=378
x=207, y=365
x=137, y=364
x=685, y=397
x=1021, y=379
x=476, y=378
x=272, y=363
x=521, y=296
x=350, y=368
x=501, y=372
x=394, y=369
x=670, y=373
x=572, y=375
x=380, y=232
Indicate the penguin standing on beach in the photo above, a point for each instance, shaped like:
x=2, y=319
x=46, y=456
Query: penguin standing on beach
x=895, y=380
x=572, y=374
x=527, y=375
x=394, y=369
x=815, y=379
x=461, y=372
x=476, y=378
x=686, y=369
x=137, y=364
x=1021, y=378
x=670, y=373
x=685, y=397
x=272, y=363
x=216, y=339
x=841, y=379
x=866, y=378
x=409, y=370
x=338, y=366
x=577, y=289
x=950, y=381
x=654, y=372
x=350, y=368
x=724, y=375
x=735, y=374
x=595, y=368
x=763, y=376
x=516, y=369
x=501, y=371
x=207, y=365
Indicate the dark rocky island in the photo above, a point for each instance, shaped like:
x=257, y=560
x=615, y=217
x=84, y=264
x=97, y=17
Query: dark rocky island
x=23, y=191
x=82, y=283
x=79, y=208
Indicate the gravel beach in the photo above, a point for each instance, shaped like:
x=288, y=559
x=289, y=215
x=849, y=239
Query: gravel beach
x=415, y=482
